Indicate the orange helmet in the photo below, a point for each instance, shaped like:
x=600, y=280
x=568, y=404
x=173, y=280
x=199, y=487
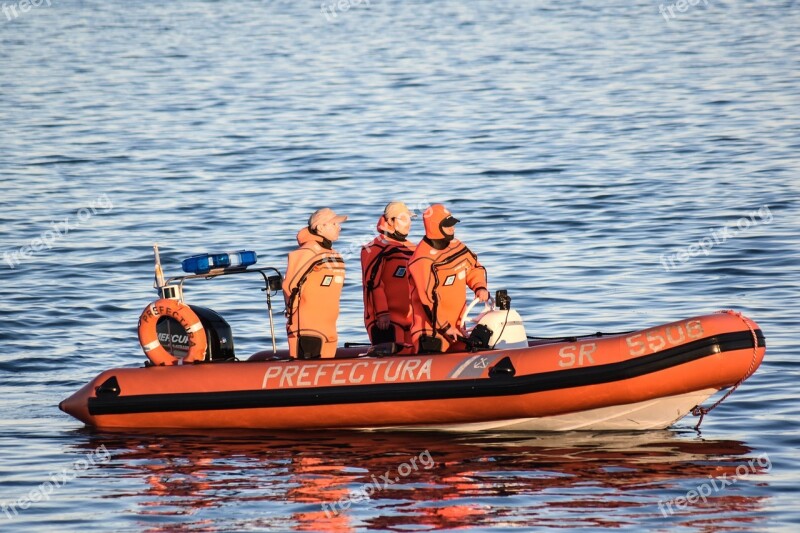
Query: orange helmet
x=436, y=217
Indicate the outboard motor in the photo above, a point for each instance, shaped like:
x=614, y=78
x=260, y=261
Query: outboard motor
x=220, y=337
x=502, y=325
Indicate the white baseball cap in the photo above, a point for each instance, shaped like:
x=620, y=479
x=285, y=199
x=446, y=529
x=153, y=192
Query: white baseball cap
x=326, y=215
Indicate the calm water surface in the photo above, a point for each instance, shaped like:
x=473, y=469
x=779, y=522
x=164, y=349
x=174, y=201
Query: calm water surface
x=583, y=144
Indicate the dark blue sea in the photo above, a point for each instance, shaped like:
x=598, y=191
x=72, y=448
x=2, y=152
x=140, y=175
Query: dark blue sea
x=615, y=165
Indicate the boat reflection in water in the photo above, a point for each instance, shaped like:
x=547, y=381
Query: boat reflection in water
x=342, y=481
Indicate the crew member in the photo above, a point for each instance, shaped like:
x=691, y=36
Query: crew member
x=441, y=269
x=312, y=287
x=384, y=265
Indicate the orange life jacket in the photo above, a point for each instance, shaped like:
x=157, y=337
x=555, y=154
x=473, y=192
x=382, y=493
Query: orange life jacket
x=312, y=289
x=384, y=266
x=439, y=279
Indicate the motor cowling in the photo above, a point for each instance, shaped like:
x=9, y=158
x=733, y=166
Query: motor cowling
x=218, y=332
x=508, y=330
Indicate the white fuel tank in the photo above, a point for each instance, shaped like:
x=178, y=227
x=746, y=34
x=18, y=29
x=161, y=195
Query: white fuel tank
x=508, y=331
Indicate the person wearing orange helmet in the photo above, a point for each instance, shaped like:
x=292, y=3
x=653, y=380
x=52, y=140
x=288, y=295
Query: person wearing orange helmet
x=312, y=287
x=384, y=265
x=441, y=269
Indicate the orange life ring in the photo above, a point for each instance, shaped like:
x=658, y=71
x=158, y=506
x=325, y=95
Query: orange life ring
x=183, y=314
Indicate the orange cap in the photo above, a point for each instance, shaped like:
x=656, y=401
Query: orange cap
x=324, y=216
x=436, y=217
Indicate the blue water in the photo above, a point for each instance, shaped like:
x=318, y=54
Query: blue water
x=582, y=144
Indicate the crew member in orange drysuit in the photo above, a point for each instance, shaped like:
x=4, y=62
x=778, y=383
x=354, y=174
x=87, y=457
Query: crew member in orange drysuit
x=312, y=287
x=384, y=265
x=441, y=269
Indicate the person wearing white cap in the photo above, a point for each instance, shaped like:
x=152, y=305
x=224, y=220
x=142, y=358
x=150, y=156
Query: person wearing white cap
x=384, y=264
x=313, y=287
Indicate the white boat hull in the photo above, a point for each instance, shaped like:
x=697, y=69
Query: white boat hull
x=658, y=413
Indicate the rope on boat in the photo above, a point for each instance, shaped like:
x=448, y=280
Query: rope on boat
x=701, y=411
x=571, y=338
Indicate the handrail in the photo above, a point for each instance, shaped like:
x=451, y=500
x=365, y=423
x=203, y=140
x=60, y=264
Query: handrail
x=271, y=283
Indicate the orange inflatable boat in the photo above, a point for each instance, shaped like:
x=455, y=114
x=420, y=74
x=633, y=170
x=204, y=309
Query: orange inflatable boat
x=638, y=380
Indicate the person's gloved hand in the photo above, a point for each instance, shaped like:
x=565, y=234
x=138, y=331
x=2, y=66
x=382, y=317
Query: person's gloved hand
x=453, y=333
x=482, y=295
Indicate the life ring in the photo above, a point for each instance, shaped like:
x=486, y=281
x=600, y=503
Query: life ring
x=183, y=314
